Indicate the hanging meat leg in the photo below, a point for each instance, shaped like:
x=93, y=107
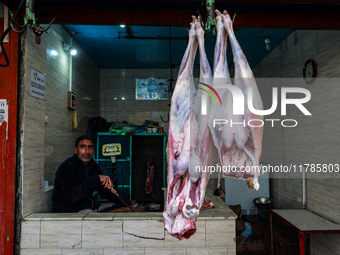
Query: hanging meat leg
x=187, y=183
x=178, y=150
x=201, y=140
x=239, y=144
x=247, y=147
x=221, y=77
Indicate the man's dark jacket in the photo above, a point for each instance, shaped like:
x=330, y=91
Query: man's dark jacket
x=74, y=185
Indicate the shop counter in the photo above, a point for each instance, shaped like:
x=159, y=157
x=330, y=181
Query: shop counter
x=127, y=233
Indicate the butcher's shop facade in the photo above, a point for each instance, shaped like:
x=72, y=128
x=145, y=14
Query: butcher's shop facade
x=169, y=127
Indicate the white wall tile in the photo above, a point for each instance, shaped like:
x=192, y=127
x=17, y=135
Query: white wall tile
x=207, y=251
x=101, y=234
x=323, y=244
x=220, y=233
x=143, y=233
x=165, y=251
x=118, y=83
x=124, y=251
x=61, y=234
x=40, y=252
x=232, y=250
x=82, y=251
x=30, y=234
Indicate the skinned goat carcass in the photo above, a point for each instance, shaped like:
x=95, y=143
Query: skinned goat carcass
x=186, y=185
x=201, y=140
x=193, y=139
x=178, y=148
x=239, y=144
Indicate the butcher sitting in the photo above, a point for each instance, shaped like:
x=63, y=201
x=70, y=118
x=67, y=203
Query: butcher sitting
x=78, y=177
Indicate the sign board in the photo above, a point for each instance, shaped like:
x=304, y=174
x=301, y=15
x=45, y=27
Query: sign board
x=3, y=111
x=38, y=84
x=112, y=149
x=152, y=88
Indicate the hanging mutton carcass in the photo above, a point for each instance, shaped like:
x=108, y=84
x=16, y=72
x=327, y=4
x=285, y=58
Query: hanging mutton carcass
x=194, y=139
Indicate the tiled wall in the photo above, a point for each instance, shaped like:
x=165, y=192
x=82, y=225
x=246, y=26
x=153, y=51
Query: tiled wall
x=45, y=145
x=32, y=127
x=104, y=235
x=118, y=83
x=316, y=139
x=60, y=136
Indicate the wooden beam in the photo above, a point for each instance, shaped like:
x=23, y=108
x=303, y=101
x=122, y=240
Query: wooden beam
x=292, y=14
x=132, y=16
x=13, y=4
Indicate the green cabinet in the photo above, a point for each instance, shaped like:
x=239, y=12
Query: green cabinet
x=130, y=165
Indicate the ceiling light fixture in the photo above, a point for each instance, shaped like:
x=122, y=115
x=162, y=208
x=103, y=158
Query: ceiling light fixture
x=122, y=25
x=54, y=53
x=68, y=47
x=267, y=43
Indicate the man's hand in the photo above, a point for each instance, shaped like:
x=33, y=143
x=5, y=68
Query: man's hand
x=106, y=181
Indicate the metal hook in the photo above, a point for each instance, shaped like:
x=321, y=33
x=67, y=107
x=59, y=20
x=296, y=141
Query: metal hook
x=202, y=25
x=233, y=20
x=41, y=29
x=36, y=32
x=165, y=120
x=170, y=90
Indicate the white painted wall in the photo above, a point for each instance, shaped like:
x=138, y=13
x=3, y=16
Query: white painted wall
x=316, y=139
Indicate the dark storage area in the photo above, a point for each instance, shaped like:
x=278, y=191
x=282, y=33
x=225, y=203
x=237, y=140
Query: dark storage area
x=128, y=168
x=144, y=149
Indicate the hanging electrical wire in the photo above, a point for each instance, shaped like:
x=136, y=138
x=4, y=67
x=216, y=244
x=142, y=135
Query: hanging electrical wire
x=29, y=21
x=171, y=80
x=3, y=36
x=3, y=48
x=210, y=11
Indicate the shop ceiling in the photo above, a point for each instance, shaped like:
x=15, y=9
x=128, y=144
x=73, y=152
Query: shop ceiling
x=155, y=35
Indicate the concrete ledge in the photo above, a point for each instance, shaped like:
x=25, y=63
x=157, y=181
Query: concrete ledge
x=220, y=212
